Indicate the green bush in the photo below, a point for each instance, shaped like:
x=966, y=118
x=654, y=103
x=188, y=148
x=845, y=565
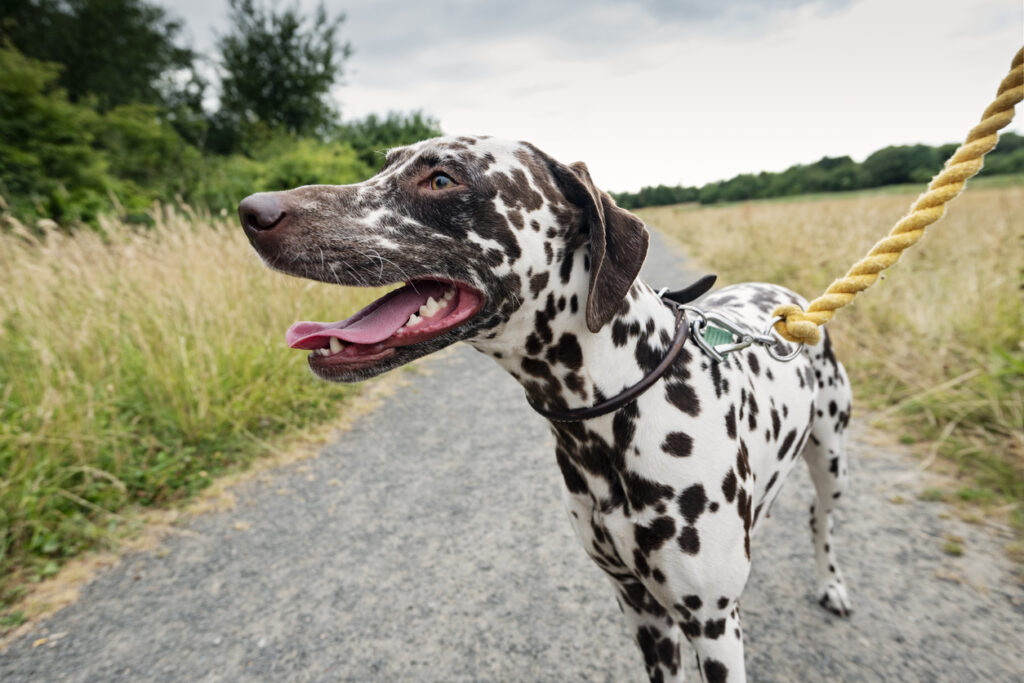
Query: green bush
x=64, y=161
x=147, y=158
x=48, y=164
x=372, y=135
x=282, y=164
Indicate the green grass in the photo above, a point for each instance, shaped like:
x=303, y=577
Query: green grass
x=135, y=367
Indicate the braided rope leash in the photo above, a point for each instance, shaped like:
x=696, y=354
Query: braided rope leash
x=803, y=326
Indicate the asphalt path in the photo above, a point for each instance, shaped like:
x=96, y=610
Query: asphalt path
x=428, y=542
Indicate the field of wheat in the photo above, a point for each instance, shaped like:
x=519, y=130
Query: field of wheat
x=135, y=366
x=936, y=349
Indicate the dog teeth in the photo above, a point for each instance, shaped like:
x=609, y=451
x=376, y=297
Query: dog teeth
x=322, y=352
x=336, y=345
x=432, y=307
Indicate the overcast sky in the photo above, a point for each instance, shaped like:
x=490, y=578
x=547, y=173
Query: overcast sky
x=674, y=92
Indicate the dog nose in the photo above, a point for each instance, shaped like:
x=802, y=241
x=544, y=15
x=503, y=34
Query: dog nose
x=259, y=212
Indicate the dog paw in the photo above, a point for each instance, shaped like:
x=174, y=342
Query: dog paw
x=833, y=598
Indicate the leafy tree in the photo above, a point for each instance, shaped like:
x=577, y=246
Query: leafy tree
x=145, y=156
x=117, y=51
x=372, y=135
x=48, y=166
x=901, y=164
x=1007, y=157
x=183, y=107
x=277, y=72
x=896, y=164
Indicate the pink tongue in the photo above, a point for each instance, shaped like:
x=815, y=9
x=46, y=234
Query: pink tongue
x=373, y=324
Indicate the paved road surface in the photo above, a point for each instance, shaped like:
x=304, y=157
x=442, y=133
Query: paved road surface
x=429, y=543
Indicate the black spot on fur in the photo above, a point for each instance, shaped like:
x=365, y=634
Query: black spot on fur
x=574, y=481
x=691, y=628
x=567, y=352
x=650, y=538
x=715, y=671
x=717, y=381
x=565, y=271
x=683, y=397
x=620, y=333
x=689, y=541
x=642, y=492
x=640, y=562
x=730, y=422
x=729, y=486
x=623, y=429
x=692, y=502
x=534, y=344
x=538, y=282
x=714, y=628
x=742, y=460
x=678, y=444
x=647, y=639
x=574, y=383
x=786, y=443
x=647, y=357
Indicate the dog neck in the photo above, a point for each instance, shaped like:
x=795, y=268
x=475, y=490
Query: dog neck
x=548, y=348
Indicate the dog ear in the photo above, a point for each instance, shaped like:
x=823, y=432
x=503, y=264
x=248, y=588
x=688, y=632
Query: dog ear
x=618, y=244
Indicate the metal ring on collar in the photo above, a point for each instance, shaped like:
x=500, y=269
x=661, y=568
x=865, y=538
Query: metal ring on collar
x=768, y=331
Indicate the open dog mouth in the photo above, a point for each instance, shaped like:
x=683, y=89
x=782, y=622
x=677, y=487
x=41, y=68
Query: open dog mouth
x=419, y=311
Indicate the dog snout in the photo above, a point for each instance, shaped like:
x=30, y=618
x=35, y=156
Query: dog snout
x=260, y=213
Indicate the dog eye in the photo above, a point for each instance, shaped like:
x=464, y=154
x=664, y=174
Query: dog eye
x=441, y=181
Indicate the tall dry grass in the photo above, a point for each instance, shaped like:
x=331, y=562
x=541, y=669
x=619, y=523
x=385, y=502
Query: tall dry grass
x=939, y=343
x=134, y=366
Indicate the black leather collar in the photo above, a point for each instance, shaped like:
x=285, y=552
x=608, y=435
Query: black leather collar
x=678, y=297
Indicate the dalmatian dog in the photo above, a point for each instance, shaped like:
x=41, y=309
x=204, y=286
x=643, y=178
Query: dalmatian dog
x=498, y=245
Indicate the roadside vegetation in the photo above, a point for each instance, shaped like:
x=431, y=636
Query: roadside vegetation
x=136, y=366
x=936, y=349
x=141, y=342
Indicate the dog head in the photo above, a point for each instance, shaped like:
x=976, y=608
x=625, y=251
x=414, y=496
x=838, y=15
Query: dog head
x=484, y=236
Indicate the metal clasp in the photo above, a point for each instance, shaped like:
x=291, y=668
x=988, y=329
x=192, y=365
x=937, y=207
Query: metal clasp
x=709, y=329
x=718, y=336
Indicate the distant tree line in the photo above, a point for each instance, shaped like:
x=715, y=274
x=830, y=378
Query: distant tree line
x=888, y=166
x=103, y=109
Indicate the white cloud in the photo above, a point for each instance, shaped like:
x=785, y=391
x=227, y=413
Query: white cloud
x=670, y=92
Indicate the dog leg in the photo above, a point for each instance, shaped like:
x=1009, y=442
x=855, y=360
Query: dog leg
x=825, y=454
x=719, y=648
x=656, y=634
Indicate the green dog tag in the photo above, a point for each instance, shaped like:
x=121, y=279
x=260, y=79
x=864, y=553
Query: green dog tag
x=715, y=336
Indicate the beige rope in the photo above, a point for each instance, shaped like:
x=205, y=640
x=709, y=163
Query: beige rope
x=802, y=326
